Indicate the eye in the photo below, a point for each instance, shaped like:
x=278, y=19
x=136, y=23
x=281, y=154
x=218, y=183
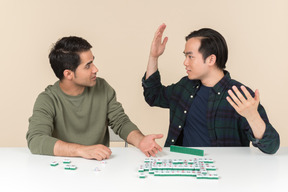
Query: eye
x=88, y=66
x=189, y=56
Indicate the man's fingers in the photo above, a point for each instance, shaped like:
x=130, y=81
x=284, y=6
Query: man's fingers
x=239, y=94
x=162, y=27
x=158, y=147
x=232, y=103
x=147, y=154
x=160, y=31
x=157, y=136
x=257, y=96
x=234, y=98
x=165, y=41
x=152, y=153
x=102, y=152
x=246, y=92
x=102, y=155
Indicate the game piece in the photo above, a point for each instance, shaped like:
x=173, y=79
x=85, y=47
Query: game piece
x=147, y=167
x=54, y=163
x=142, y=175
x=186, y=150
x=97, y=169
x=70, y=167
x=151, y=171
x=207, y=176
x=141, y=168
x=66, y=161
x=147, y=160
x=73, y=167
x=159, y=161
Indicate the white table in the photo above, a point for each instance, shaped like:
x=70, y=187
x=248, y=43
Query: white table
x=240, y=169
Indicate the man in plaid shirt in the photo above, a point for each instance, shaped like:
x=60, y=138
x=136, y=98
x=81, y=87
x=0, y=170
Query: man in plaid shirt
x=207, y=107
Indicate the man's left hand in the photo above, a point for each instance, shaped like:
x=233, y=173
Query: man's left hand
x=245, y=107
x=149, y=146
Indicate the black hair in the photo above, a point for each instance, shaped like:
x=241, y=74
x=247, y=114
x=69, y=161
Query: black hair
x=65, y=54
x=212, y=42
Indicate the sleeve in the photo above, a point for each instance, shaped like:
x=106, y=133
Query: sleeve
x=271, y=141
x=39, y=134
x=155, y=93
x=117, y=118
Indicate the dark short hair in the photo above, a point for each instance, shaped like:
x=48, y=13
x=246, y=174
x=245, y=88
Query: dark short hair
x=212, y=42
x=65, y=54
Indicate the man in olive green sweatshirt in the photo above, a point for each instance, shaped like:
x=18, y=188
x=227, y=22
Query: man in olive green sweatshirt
x=71, y=117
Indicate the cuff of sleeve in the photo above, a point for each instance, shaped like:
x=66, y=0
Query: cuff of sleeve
x=43, y=145
x=127, y=129
x=269, y=143
x=150, y=82
x=254, y=141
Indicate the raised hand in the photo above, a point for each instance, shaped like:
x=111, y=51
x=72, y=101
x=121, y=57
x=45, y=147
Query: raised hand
x=158, y=47
x=245, y=107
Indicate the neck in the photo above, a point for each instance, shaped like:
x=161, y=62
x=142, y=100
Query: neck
x=70, y=89
x=213, y=77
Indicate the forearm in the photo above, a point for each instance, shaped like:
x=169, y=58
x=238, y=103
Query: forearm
x=257, y=125
x=62, y=148
x=135, y=137
x=152, y=66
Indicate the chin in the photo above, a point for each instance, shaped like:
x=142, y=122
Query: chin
x=191, y=77
x=92, y=84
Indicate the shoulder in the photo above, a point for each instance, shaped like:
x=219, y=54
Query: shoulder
x=231, y=82
x=46, y=100
x=49, y=92
x=238, y=84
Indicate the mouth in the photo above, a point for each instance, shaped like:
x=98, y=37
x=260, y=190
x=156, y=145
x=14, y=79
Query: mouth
x=93, y=78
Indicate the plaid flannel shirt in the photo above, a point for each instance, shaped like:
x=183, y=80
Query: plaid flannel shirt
x=225, y=126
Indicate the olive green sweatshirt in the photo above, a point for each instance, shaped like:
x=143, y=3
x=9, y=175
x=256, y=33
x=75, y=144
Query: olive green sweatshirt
x=82, y=119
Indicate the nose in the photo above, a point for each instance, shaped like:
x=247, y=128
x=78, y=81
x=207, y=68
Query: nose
x=185, y=61
x=94, y=69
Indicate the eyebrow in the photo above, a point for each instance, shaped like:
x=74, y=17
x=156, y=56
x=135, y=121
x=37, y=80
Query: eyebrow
x=188, y=53
x=90, y=61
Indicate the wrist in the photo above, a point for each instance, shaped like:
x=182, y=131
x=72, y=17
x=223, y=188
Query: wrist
x=153, y=58
x=135, y=138
x=152, y=66
x=76, y=150
x=254, y=117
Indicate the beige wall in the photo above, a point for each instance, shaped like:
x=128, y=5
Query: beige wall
x=121, y=32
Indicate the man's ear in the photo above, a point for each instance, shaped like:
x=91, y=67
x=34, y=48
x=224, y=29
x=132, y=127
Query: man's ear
x=68, y=74
x=211, y=60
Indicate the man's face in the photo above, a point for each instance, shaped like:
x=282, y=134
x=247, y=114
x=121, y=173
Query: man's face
x=85, y=74
x=195, y=65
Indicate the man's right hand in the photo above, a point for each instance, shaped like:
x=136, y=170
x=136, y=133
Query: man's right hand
x=98, y=152
x=157, y=49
